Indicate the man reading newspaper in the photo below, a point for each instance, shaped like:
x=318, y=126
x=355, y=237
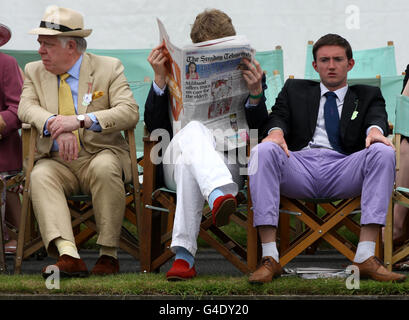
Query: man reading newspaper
x=193, y=164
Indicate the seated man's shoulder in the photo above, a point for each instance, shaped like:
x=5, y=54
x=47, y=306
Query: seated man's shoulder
x=106, y=60
x=363, y=89
x=34, y=66
x=301, y=83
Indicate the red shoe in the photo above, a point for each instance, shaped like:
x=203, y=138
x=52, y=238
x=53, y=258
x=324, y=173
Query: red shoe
x=223, y=208
x=180, y=271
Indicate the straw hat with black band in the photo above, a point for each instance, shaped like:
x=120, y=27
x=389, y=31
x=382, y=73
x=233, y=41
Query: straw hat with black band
x=59, y=21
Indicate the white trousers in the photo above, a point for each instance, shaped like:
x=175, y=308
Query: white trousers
x=194, y=168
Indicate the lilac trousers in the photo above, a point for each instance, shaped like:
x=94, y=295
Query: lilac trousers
x=321, y=173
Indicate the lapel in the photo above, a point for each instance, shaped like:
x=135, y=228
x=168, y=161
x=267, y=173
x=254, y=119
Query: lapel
x=85, y=82
x=350, y=104
x=313, y=106
x=50, y=82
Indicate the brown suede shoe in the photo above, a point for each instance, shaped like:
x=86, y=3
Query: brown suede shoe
x=105, y=265
x=374, y=269
x=268, y=270
x=69, y=267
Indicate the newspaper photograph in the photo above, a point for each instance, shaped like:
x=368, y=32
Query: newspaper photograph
x=206, y=84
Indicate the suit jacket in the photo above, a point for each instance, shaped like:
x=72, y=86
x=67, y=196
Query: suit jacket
x=11, y=83
x=116, y=110
x=296, y=112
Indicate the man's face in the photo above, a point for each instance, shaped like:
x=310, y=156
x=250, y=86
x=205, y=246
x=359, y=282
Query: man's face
x=333, y=65
x=55, y=57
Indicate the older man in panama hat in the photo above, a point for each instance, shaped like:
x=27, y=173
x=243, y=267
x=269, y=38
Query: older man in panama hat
x=11, y=84
x=79, y=102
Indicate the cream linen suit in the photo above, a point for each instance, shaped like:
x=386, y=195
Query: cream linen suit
x=103, y=162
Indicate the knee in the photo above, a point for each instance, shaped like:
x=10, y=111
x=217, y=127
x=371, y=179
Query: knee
x=382, y=153
x=105, y=170
x=195, y=126
x=265, y=150
x=40, y=174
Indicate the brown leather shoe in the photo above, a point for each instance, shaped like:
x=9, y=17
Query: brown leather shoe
x=268, y=270
x=105, y=265
x=69, y=267
x=374, y=269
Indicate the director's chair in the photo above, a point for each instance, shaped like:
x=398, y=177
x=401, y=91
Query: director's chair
x=29, y=238
x=159, y=205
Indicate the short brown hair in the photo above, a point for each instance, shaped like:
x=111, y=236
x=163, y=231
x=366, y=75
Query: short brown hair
x=211, y=24
x=332, y=40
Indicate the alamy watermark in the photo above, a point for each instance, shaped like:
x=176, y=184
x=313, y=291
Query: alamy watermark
x=353, y=280
x=53, y=280
x=352, y=21
x=236, y=150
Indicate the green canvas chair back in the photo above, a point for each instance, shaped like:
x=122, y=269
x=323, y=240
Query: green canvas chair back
x=23, y=56
x=402, y=115
x=274, y=85
x=368, y=63
x=391, y=87
x=272, y=64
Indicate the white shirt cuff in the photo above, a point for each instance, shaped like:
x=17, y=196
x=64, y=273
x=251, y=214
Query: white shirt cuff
x=374, y=126
x=158, y=91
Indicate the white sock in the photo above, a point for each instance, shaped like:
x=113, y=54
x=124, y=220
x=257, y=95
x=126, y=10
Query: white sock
x=269, y=249
x=66, y=247
x=365, y=250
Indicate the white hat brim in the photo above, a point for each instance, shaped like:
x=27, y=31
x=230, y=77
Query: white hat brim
x=50, y=32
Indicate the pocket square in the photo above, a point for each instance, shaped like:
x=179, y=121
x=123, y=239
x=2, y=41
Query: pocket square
x=97, y=94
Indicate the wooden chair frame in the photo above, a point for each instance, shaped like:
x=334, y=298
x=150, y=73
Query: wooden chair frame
x=157, y=230
x=29, y=238
x=338, y=213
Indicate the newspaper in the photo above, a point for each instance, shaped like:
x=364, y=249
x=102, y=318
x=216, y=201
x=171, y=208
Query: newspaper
x=206, y=84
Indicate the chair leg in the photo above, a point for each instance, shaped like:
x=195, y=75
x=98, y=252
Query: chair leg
x=388, y=237
x=3, y=266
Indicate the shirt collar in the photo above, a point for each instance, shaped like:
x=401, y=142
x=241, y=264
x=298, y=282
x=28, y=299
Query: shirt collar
x=75, y=69
x=341, y=92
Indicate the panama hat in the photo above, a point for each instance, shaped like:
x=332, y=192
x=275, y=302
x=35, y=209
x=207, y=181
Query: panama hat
x=62, y=22
x=5, y=34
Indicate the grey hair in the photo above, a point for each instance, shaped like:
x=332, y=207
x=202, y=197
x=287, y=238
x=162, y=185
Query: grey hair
x=81, y=43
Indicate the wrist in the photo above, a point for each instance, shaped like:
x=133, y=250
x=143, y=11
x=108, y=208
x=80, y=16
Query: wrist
x=160, y=81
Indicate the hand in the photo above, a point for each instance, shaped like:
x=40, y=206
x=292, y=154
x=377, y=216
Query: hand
x=68, y=146
x=61, y=124
x=157, y=60
x=253, y=76
x=3, y=124
x=375, y=135
x=277, y=136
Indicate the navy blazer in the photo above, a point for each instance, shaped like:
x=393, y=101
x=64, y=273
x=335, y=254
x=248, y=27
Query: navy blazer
x=296, y=112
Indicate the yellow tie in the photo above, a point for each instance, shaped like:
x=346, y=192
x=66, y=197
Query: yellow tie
x=66, y=103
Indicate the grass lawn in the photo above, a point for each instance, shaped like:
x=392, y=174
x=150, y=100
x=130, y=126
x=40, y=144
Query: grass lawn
x=202, y=286
x=156, y=285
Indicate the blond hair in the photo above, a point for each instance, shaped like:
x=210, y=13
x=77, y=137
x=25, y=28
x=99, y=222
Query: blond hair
x=211, y=24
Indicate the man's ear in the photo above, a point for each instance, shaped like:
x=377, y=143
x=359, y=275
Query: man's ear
x=351, y=63
x=72, y=45
x=314, y=65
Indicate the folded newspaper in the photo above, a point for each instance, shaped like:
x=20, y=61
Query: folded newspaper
x=206, y=84
x=317, y=272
